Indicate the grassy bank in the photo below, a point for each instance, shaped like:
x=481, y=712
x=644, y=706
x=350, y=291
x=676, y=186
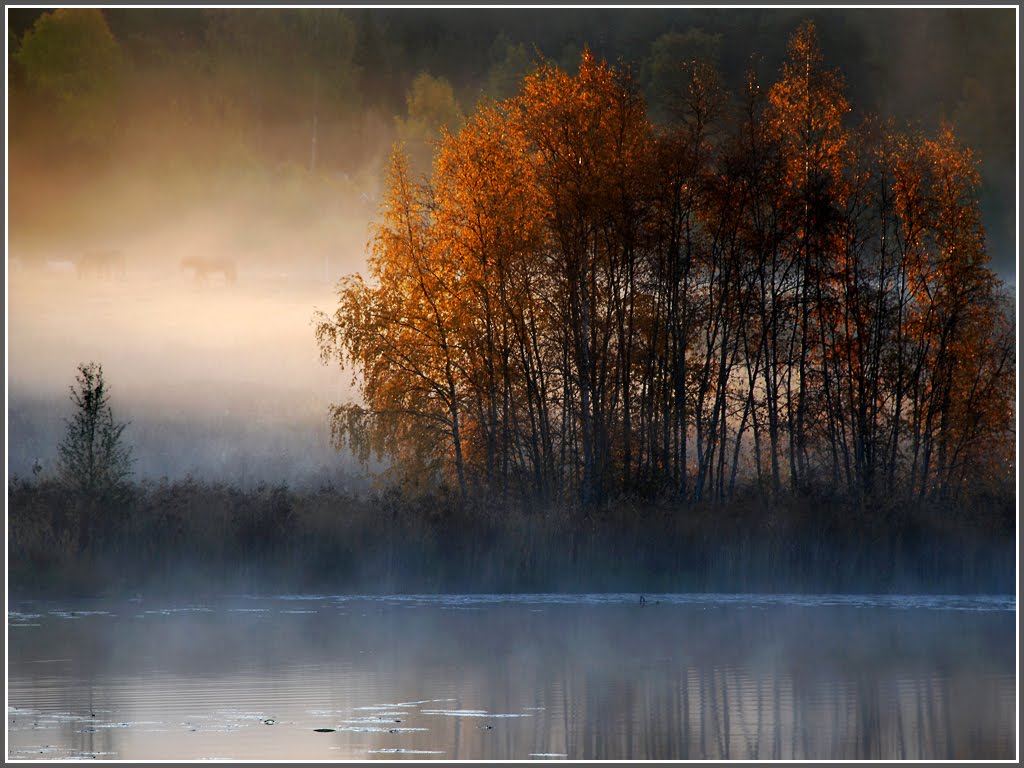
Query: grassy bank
x=190, y=539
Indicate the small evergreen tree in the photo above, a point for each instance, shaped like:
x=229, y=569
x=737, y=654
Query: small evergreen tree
x=94, y=461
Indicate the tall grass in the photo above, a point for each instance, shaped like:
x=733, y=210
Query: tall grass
x=197, y=538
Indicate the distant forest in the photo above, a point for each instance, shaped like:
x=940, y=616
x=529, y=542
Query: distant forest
x=294, y=110
x=638, y=310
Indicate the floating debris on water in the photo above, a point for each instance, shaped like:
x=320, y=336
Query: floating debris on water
x=172, y=611
x=269, y=721
x=216, y=728
x=424, y=701
x=456, y=712
x=473, y=713
x=324, y=730
x=20, y=616
x=548, y=754
x=239, y=715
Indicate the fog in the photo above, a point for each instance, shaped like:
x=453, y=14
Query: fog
x=275, y=173
x=183, y=198
x=217, y=373
x=486, y=677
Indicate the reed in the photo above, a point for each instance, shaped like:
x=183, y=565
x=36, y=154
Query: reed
x=190, y=537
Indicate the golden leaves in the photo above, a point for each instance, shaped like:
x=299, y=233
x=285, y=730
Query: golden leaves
x=806, y=109
x=566, y=275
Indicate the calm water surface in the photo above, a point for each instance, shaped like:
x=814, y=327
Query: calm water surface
x=578, y=677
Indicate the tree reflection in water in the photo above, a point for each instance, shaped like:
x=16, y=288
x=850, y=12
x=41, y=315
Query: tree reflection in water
x=503, y=678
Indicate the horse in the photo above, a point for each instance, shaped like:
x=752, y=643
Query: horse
x=102, y=263
x=202, y=268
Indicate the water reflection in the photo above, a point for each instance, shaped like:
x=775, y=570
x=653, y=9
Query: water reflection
x=487, y=678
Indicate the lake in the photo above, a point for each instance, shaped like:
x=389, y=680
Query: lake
x=514, y=677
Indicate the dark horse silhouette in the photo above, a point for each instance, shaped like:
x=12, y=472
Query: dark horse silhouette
x=109, y=262
x=204, y=267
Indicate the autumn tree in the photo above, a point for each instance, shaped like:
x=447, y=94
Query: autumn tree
x=680, y=280
x=953, y=317
x=577, y=305
x=400, y=334
x=753, y=153
x=488, y=220
x=592, y=141
x=806, y=109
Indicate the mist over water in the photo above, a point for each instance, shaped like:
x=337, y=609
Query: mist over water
x=472, y=677
x=236, y=178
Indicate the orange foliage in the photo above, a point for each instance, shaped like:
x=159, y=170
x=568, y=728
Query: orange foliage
x=572, y=300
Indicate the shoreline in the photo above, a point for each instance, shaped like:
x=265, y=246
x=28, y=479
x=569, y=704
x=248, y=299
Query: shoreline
x=186, y=538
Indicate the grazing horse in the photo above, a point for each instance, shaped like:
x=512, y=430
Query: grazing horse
x=201, y=268
x=102, y=263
